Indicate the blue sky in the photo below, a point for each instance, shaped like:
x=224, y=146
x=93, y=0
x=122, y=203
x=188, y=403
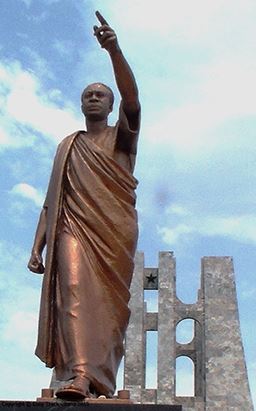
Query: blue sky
x=195, y=64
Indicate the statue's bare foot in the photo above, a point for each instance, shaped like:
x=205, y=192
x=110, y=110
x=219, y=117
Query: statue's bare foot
x=77, y=390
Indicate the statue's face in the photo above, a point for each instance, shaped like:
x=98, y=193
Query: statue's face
x=96, y=102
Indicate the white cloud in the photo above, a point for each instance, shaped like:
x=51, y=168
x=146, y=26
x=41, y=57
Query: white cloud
x=37, y=64
x=177, y=209
x=225, y=90
x=29, y=192
x=21, y=326
x=23, y=369
x=4, y=138
x=26, y=109
x=200, y=21
x=27, y=104
x=238, y=228
x=173, y=234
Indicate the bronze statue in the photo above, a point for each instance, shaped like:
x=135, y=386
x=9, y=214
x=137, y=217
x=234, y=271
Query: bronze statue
x=89, y=225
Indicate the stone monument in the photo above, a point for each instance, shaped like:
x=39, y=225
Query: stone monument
x=220, y=375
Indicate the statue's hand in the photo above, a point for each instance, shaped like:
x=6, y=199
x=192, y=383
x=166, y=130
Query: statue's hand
x=35, y=263
x=105, y=35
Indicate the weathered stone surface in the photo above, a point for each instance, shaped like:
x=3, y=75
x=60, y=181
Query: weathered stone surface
x=150, y=322
x=225, y=372
x=148, y=396
x=134, y=362
x=166, y=329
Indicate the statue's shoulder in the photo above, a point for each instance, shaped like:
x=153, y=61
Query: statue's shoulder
x=64, y=146
x=68, y=139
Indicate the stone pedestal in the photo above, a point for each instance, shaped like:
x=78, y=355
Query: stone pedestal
x=71, y=406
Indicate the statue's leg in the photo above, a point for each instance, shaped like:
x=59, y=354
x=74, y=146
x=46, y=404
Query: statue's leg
x=87, y=342
x=71, y=357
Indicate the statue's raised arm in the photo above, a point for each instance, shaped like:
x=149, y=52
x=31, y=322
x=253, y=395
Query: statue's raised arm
x=125, y=79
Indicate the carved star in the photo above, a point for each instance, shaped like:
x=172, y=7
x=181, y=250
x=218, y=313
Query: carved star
x=151, y=278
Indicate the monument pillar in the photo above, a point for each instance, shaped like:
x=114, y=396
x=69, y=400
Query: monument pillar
x=166, y=328
x=226, y=384
x=134, y=360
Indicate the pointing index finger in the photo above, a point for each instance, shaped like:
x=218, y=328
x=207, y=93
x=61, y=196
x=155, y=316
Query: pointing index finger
x=101, y=18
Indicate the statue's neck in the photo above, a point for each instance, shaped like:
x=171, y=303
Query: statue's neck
x=96, y=127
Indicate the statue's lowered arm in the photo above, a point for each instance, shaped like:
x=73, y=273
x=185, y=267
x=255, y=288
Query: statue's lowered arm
x=35, y=263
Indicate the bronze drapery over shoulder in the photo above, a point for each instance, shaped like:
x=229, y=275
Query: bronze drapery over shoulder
x=90, y=248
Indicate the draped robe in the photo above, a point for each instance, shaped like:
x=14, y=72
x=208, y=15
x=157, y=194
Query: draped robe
x=91, y=240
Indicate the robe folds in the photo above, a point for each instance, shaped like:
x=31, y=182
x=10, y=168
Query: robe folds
x=91, y=240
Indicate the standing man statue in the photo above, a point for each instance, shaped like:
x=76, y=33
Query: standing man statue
x=89, y=225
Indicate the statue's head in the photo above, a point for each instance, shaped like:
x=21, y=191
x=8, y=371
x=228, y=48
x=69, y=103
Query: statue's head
x=97, y=101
